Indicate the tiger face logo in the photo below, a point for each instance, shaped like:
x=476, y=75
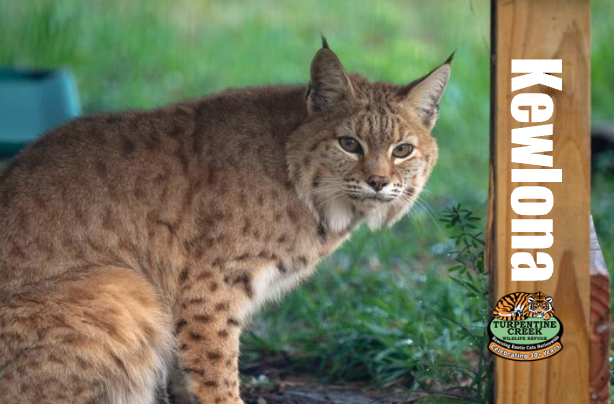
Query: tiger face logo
x=520, y=306
x=540, y=308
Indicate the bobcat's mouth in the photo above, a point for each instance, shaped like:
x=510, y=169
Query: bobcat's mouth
x=371, y=198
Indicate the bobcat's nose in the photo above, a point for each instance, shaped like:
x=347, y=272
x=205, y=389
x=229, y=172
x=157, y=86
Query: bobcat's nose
x=377, y=182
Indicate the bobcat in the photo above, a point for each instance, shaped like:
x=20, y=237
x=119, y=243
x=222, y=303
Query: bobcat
x=134, y=246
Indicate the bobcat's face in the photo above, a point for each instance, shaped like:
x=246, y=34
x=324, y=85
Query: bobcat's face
x=376, y=162
x=365, y=152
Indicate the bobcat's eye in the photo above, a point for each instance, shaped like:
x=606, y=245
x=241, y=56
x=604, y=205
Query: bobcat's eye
x=350, y=145
x=402, y=150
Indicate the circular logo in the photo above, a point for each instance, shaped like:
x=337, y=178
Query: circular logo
x=524, y=327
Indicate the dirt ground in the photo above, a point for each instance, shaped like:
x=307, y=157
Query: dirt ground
x=274, y=383
x=302, y=392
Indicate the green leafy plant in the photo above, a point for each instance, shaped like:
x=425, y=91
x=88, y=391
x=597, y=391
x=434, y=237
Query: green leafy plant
x=470, y=382
x=469, y=254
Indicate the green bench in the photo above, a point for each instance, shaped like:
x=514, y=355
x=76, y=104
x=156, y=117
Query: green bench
x=31, y=103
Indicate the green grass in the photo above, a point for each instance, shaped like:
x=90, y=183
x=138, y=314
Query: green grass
x=369, y=312
x=602, y=87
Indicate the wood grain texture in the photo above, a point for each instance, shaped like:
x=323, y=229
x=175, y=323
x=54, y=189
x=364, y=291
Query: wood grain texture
x=600, y=324
x=546, y=29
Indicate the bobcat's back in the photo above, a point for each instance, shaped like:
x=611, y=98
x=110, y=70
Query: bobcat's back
x=118, y=187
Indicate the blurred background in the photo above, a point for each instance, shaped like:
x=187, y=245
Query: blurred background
x=373, y=311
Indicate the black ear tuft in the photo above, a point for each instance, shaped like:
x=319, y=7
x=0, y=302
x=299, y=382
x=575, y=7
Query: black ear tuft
x=324, y=42
x=450, y=58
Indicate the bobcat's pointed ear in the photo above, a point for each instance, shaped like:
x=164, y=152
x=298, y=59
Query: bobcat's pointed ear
x=329, y=85
x=423, y=95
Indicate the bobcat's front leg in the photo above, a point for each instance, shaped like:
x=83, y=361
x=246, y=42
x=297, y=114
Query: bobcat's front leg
x=208, y=331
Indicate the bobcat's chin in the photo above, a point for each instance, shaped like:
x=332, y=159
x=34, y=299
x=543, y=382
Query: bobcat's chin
x=343, y=213
x=377, y=218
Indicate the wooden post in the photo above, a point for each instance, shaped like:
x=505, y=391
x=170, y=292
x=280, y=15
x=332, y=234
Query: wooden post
x=600, y=324
x=545, y=29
